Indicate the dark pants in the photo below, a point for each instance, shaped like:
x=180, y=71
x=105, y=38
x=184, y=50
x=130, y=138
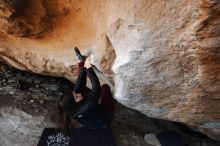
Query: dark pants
x=106, y=95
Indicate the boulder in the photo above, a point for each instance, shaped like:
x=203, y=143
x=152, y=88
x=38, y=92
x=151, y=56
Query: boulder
x=163, y=56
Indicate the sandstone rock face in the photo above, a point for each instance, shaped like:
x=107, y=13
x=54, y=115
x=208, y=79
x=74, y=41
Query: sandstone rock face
x=18, y=127
x=165, y=55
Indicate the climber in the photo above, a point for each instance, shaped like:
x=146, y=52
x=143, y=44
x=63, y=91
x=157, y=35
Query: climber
x=93, y=108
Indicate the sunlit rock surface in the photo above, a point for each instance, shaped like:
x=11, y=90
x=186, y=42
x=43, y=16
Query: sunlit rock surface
x=164, y=56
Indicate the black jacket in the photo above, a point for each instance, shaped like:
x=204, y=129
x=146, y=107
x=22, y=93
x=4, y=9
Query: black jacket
x=89, y=112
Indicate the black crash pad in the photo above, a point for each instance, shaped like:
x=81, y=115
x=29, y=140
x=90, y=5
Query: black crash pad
x=77, y=137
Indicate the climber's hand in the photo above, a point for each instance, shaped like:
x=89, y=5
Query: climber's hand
x=88, y=62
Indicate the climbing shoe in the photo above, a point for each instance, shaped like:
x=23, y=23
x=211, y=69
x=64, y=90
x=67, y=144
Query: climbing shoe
x=79, y=55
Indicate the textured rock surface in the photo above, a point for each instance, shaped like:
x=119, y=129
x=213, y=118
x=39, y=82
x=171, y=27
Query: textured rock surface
x=19, y=128
x=28, y=105
x=166, y=53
